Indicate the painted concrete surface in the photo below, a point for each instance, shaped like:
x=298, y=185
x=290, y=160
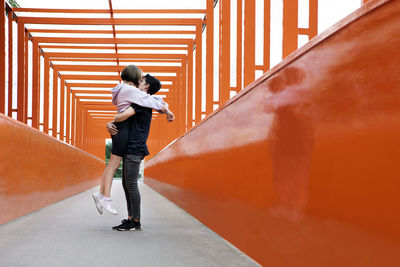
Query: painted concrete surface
x=72, y=233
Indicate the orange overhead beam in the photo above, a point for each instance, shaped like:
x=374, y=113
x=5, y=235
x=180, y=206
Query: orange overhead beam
x=105, y=21
x=120, y=60
x=109, y=55
x=78, y=40
x=109, y=47
x=92, y=85
x=105, y=68
x=110, y=31
x=106, y=11
x=108, y=77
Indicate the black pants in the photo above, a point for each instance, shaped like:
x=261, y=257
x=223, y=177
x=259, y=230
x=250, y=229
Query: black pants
x=130, y=172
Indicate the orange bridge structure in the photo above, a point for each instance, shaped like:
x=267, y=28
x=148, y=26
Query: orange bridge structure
x=295, y=165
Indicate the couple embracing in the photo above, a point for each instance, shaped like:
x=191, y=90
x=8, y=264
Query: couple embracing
x=135, y=100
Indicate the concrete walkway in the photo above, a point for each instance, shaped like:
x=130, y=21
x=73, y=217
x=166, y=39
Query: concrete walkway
x=72, y=233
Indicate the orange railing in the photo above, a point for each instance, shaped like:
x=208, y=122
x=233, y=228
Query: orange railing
x=302, y=167
x=37, y=170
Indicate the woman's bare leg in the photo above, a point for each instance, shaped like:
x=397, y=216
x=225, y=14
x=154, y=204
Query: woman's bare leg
x=108, y=174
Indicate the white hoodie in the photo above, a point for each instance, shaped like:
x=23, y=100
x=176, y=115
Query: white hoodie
x=123, y=95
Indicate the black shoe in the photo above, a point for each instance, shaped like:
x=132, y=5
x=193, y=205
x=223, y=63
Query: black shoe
x=128, y=225
x=136, y=226
x=123, y=225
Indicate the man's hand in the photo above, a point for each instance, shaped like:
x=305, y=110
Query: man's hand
x=111, y=128
x=170, y=116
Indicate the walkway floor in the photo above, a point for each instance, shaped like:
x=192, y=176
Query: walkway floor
x=72, y=233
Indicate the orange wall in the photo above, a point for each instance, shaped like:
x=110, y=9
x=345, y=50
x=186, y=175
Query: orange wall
x=302, y=168
x=37, y=170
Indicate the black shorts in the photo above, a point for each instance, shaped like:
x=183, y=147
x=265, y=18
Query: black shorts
x=120, y=140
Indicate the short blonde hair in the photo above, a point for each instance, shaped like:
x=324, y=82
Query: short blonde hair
x=131, y=73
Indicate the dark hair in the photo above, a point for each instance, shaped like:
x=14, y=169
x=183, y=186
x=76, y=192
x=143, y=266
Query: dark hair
x=131, y=73
x=154, y=84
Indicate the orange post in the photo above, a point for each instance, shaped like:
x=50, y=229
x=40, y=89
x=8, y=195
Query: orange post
x=249, y=41
x=26, y=78
x=190, y=87
x=10, y=62
x=62, y=109
x=313, y=18
x=68, y=116
x=267, y=34
x=35, y=85
x=46, y=94
x=2, y=57
x=184, y=94
x=73, y=120
x=21, y=72
x=55, y=102
x=225, y=51
x=198, y=88
x=210, y=57
x=290, y=26
x=239, y=46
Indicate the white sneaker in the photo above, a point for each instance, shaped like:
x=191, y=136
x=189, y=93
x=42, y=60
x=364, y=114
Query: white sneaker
x=97, y=198
x=108, y=205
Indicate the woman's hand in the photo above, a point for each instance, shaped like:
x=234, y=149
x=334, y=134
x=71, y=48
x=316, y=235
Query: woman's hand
x=170, y=116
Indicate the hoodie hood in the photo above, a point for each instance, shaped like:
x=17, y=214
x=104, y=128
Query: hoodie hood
x=115, y=91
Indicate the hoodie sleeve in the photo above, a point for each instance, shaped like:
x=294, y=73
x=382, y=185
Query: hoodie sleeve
x=142, y=99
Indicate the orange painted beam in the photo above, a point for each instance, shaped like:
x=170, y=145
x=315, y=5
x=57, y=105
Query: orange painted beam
x=104, y=68
x=249, y=67
x=26, y=77
x=120, y=60
x=10, y=63
x=239, y=44
x=21, y=73
x=55, y=103
x=35, y=86
x=68, y=115
x=108, y=47
x=313, y=18
x=110, y=31
x=62, y=108
x=210, y=57
x=2, y=57
x=94, y=85
x=198, y=69
x=114, y=34
x=267, y=35
x=105, y=21
x=225, y=51
x=190, y=87
x=46, y=89
x=290, y=22
x=106, y=11
x=99, y=56
x=79, y=40
x=108, y=77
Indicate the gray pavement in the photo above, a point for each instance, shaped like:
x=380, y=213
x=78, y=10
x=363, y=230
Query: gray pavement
x=72, y=233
